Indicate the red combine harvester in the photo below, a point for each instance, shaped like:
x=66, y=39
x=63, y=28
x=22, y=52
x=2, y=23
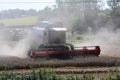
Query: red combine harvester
x=51, y=39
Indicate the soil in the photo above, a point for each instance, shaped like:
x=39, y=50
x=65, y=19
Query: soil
x=12, y=62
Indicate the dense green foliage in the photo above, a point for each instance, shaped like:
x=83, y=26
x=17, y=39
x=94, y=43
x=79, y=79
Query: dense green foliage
x=115, y=12
x=42, y=74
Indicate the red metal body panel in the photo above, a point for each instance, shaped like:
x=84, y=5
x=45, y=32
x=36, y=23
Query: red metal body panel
x=46, y=53
x=84, y=51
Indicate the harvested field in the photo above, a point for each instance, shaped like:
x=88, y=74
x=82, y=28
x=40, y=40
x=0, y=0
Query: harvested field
x=10, y=62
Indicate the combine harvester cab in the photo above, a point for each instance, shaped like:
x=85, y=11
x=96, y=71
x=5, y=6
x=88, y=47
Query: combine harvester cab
x=51, y=39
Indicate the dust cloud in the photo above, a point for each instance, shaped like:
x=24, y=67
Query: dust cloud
x=108, y=40
x=18, y=48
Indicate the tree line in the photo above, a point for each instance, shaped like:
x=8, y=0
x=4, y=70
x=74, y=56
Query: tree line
x=85, y=15
x=13, y=13
x=78, y=15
